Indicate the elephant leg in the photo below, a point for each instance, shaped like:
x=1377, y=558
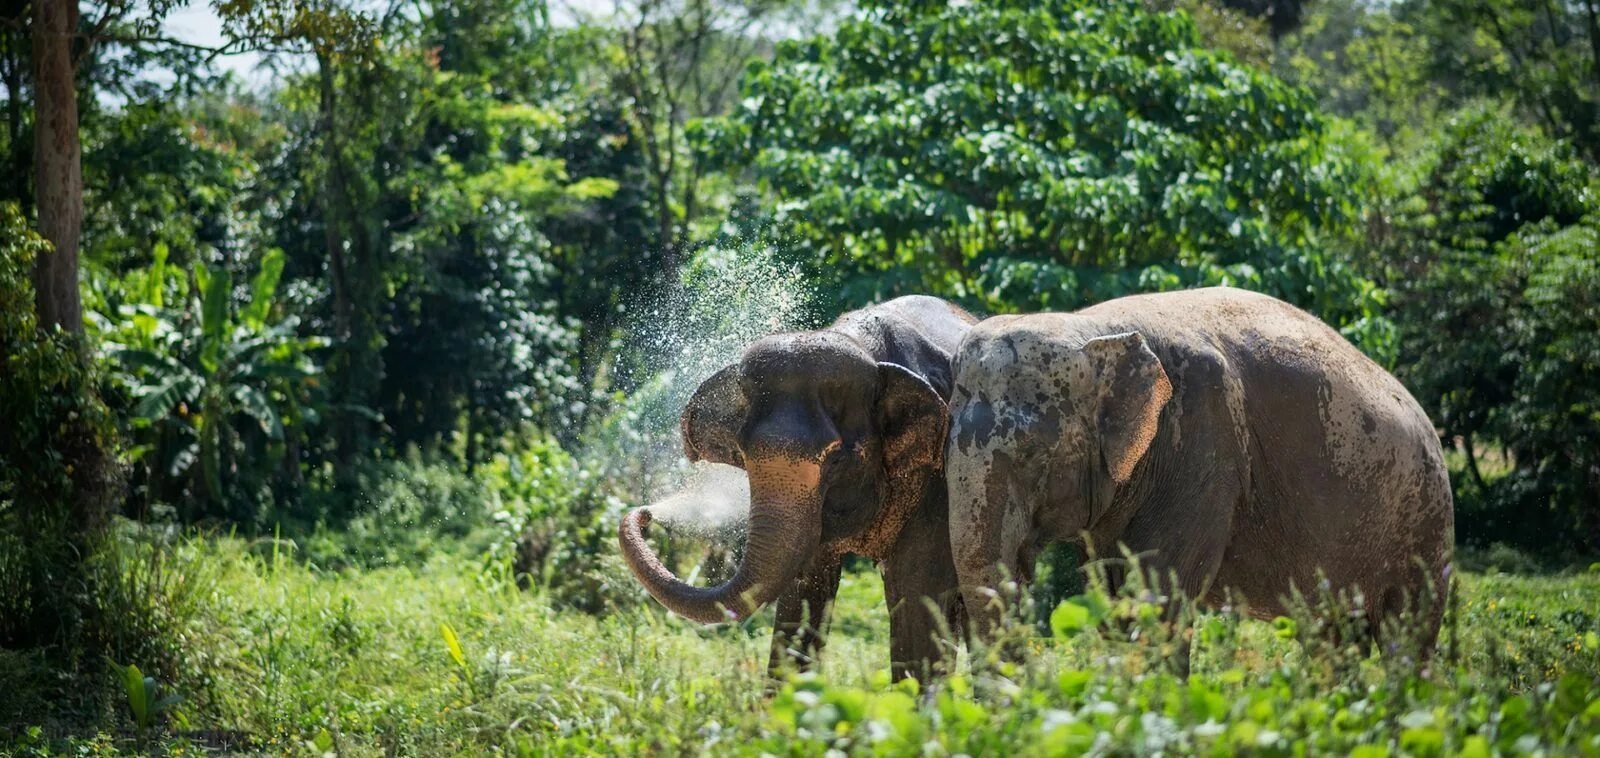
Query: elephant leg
x=923, y=593
x=801, y=624
x=1181, y=563
x=987, y=545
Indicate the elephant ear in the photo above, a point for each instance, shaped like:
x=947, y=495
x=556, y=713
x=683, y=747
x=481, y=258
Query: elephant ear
x=1133, y=388
x=911, y=417
x=712, y=419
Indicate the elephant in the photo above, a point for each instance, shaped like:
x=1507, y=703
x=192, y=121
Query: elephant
x=1229, y=439
x=841, y=431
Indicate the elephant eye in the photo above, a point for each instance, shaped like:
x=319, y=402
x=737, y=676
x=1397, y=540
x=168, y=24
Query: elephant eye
x=833, y=404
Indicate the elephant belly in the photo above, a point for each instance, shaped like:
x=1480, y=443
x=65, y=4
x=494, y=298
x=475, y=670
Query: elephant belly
x=1348, y=488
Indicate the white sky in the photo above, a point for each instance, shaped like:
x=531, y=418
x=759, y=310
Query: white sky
x=197, y=23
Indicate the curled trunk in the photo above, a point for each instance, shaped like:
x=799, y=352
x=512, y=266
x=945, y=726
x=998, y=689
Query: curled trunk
x=785, y=529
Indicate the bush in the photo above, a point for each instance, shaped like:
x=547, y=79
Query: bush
x=404, y=512
x=1498, y=557
x=1492, y=259
x=153, y=588
x=1295, y=687
x=556, y=529
x=57, y=460
x=217, y=386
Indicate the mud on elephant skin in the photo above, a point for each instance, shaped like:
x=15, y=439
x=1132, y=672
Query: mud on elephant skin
x=1228, y=438
x=841, y=431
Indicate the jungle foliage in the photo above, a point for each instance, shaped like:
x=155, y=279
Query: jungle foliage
x=1045, y=156
x=1494, y=270
x=409, y=312
x=57, y=468
x=468, y=220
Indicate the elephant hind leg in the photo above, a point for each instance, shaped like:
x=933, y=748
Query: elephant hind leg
x=1407, y=622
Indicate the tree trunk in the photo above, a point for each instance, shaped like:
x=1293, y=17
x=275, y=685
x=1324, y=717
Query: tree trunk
x=349, y=379
x=20, y=158
x=1472, y=465
x=58, y=170
x=1594, y=38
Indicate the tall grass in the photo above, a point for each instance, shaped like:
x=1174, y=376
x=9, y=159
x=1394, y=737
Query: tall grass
x=304, y=660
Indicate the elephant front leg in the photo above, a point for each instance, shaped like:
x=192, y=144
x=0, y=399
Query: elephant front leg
x=987, y=538
x=801, y=623
x=924, y=597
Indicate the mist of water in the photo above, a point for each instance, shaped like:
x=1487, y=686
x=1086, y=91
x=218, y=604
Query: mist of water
x=712, y=502
x=730, y=297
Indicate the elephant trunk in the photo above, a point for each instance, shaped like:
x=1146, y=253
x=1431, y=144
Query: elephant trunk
x=785, y=530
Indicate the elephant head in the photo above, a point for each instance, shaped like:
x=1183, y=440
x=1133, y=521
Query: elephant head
x=1041, y=420
x=829, y=437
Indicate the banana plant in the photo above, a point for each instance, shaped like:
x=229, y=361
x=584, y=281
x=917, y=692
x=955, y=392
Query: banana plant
x=147, y=701
x=203, y=376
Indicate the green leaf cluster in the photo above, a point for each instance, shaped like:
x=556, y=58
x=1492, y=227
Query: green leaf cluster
x=555, y=529
x=219, y=380
x=57, y=457
x=1492, y=258
x=1023, y=156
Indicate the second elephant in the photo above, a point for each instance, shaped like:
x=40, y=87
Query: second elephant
x=1224, y=436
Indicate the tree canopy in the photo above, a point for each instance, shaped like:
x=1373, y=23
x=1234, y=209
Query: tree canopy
x=1024, y=156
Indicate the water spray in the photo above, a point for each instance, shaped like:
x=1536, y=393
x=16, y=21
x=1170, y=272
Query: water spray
x=731, y=296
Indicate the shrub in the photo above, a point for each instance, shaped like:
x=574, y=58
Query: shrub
x=218, y=385
x=57, y=470
x=1498, y=295
x=556, y=529
x=1498, y=557
x=152, y=587
x=404, y=512
x=1296, y=686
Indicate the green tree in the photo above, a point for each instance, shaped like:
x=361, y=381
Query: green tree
x=218, y=389
x=1370, y=65
x=155, y=172
x=57, y=468
x=1543, y=56
x=679, y=60
x=509, y=287
x=462, y=214
x=1491, y=257
x=1045, y=156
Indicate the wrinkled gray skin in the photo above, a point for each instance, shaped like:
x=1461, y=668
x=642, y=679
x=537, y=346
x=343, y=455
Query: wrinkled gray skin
x=842, y=433
x=1220, y=434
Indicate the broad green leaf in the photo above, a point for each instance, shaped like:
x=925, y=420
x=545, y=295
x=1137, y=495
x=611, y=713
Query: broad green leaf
x=256, y=405
x=1069, y=619
x=133, y=685
x=453, y=645
x=155, y=283
x=263, y=288
x=158, y=404
x=214, y=319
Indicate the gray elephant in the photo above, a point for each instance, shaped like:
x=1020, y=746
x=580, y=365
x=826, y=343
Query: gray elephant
x=841, y=431
x=1226, y=437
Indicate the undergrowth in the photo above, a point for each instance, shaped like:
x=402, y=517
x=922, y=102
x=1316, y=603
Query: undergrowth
x=444, y=657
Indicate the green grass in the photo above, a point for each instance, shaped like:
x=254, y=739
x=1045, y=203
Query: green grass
x=283, y=658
